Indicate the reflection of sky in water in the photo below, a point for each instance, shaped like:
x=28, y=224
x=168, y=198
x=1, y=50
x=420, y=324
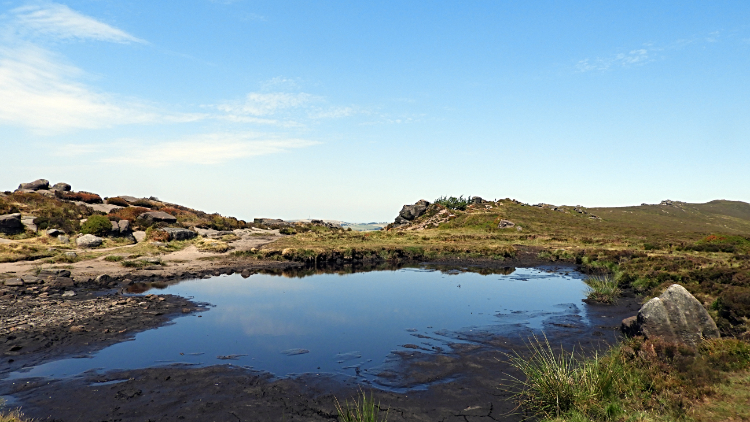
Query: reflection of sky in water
x=332, y=316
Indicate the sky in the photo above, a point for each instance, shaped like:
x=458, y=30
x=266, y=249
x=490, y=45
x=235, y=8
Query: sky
x=347, y=110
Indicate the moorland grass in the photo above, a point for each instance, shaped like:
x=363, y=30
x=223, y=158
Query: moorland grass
x=602, y=288
x=645, y=379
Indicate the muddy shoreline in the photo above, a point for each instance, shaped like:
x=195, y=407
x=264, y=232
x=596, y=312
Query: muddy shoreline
x=463, y=384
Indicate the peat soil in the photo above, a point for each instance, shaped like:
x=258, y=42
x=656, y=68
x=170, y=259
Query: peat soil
x=471, y=382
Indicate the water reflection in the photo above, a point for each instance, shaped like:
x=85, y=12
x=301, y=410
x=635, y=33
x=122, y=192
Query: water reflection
x=347, y=322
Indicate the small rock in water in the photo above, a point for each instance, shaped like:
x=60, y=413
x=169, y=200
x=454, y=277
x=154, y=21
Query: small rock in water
x=68, y=293
x=412, y=330
x=294, y=352
x=229, y=357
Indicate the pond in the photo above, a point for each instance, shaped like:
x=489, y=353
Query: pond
x=336, y=324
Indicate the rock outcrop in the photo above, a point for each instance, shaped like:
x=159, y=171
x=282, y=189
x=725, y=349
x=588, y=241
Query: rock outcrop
x=89, y=241
x=505, y=224
x=676, y=316
x=11, y=223
x=180, y=234
x=410, y=213
x=35, y=185
x=158, y=217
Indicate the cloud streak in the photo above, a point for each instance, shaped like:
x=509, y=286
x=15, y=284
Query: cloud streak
x=636, y=57
x=206, y=149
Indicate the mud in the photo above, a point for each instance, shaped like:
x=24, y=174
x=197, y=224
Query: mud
x=469, y=382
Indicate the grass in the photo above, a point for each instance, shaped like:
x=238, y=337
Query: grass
x=645, y=379
x=12, y=416
x=363, y=409
x=602, y=288
x=211, y=245
x=731, y=401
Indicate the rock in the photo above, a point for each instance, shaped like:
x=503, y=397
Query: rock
x=158, y=216
x=103, y=279
x=54, y=273
x=35, y=185
x=14, y=282
x=477, y=200
x=268, y=221
x=30, y=279
x=89, y=241
x=677, y=317
x=70, y=255
x=47, y=193
x=11, y=223
x=129, y=199
x=411, y=212
x=64, y=187
x=62, y=282
x=123, y=226
x=180, y=234
x=504, y=224
x=28, y=222
x=54, y=232
x=69, y=293
x=139, y=236
x=629, y=326
x=246, y=273
x=63, y=239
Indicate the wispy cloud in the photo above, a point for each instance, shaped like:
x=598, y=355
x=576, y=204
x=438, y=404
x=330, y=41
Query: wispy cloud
x=208, y=149
x=59, y=21
x=266, y=104
x=39, y=91
x=637, y=57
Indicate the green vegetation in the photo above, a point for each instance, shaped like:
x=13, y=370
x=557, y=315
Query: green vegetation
x=635, y=380
x=454, y=203
x=211, y=245
x=602, y=289
x=364, y=409
x=98, y=225
x=114, y=258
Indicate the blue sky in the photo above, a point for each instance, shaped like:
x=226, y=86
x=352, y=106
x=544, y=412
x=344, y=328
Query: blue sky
x=347, y=110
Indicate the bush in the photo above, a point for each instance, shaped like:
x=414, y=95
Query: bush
x=98, y=225
x=118, y=201
x=364, y=409
x=287, y=230
x=454, y=203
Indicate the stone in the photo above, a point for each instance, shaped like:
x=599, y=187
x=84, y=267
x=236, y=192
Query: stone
x=89, y=241
x=28, y=222
x=477, y=200
x=412, y=212
x=180, y=234
x=54, y=232
x=629, y=326
x=70, y=255
x=504, y=224
x=123, y=226
x=157, y=244
x=676, y=317
x=115, y=227
x=129, y=199
x=69, y=293
x=35, y=185
x=103, y=279
x=139, y=236
x=61, y=282
x=268, y=221
x=54, y=273
x=30, y=279
x=11, y=223
x=14, y=282
x=246, y=273
x=63, y=239
x=158, y=217
x=64, y=187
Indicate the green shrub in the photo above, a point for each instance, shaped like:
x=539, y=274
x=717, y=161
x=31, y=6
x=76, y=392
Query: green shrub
x=98, y=225
x=113, y=258
x=454, y=203
x=287, y=230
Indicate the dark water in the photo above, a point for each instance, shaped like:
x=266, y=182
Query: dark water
x=329, y=323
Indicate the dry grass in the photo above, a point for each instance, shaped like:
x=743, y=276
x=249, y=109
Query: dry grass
x=13, y=416
x=211, y=245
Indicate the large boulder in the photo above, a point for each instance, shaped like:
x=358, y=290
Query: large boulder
x=123, y=226
x=89, y=241
x=11, y=223
x=63, y=187
x=158, y=217
x=676, y=316
x=180, y=234
x=35, y=185
x=412, y=212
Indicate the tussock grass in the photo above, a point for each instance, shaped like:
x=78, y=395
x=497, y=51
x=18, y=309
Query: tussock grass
x=602, y=288
x=211, y=245
x=363, y=409
x=13, y=416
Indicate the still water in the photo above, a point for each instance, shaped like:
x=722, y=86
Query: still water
x=330, y=323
